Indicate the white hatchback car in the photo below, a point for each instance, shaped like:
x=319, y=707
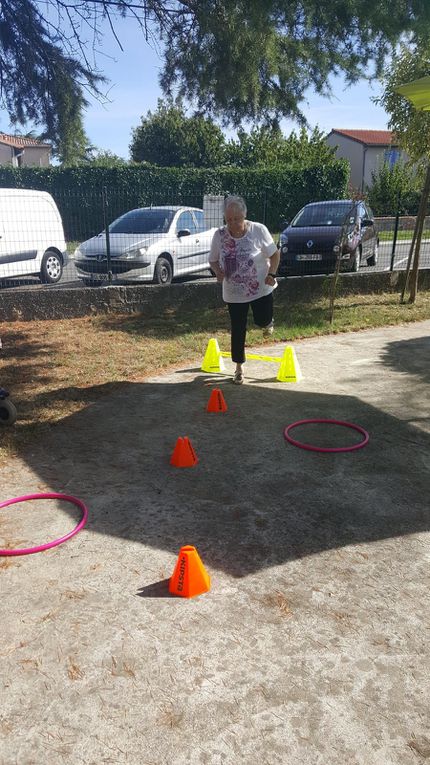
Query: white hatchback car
x=148, y=244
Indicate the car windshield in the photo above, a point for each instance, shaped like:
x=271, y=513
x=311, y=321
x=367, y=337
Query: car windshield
x=321, y=215
x=144, y=221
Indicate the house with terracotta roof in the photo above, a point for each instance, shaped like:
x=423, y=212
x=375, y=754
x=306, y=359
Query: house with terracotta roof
x=19, y=151
x=366, y=151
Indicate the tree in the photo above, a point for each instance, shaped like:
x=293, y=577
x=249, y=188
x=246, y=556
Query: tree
x=395, y=188
x=168, y=138
x=40, y=81
x=102, y=158
x=247, y=59
x=266, y=146
x=412, y=129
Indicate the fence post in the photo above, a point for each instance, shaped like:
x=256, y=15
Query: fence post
x=106, y=227
x=396, y=229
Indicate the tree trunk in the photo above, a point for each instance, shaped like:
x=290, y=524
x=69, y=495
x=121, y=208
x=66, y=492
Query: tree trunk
x=408, y=265
x=423, y=208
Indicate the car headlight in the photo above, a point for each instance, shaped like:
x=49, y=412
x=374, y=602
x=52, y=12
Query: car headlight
x=78, y=254
x=283, y=243
x=133, y=254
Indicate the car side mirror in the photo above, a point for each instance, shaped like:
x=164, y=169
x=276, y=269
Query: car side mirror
x=367, y=222
x=284, y=224
x=184, y=232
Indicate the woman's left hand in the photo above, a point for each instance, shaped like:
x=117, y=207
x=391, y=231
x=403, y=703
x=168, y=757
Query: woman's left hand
x=270, y=280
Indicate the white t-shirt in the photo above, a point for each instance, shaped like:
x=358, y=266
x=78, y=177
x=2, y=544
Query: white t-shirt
x=245, y=262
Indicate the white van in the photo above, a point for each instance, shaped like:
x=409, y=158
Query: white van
x=31, y=236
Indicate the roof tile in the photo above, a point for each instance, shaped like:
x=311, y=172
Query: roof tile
x=19, y=141
x=369, y=137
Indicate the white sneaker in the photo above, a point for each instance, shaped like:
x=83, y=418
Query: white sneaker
x=238, y=377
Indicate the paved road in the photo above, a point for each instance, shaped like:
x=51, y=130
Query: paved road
x=384, y=263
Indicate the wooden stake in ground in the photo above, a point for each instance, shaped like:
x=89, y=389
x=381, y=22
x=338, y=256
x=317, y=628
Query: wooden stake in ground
x=420, y=225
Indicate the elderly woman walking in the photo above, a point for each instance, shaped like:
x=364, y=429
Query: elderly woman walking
x=244, y=259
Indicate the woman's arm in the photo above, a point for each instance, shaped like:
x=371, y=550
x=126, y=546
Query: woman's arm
x=214, y=257
x=273, y=267
x=216, y=268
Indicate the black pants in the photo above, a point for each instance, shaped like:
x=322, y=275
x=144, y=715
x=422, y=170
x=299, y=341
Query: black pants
x=262, y=310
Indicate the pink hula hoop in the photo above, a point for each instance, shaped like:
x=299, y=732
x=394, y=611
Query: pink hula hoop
x=55, y=542
x=312, y=448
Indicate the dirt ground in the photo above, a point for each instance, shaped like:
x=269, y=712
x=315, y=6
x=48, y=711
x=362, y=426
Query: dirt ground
x=312, y=647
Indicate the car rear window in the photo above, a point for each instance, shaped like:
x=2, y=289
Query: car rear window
x=143, y=222
x=322, y=215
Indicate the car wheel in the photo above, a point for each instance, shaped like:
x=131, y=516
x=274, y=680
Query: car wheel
x=163, y=272
x=372, y=261
x=356, y=260
x=8, y=413
x=51, y=269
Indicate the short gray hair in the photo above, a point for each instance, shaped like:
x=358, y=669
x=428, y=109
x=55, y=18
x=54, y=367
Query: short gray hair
x=235, y=201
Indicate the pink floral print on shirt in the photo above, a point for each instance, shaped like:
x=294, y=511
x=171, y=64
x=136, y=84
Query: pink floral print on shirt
x=238, y=267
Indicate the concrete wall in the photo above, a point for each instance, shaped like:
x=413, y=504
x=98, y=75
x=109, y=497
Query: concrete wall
x=152, y=301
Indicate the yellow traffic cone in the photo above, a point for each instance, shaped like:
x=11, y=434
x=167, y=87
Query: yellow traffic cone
x=289, y=369
x=212, y=361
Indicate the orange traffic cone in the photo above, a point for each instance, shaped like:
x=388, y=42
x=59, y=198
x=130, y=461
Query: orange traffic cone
x=183, y=454
x=216, y=401
x=190, y=577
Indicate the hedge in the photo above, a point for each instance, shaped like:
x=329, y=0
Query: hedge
x=271, y=194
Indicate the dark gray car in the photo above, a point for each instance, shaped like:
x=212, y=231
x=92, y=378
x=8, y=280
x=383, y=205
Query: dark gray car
x=322, y=232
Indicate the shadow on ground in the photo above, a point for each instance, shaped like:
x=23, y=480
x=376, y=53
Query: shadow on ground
x=252, y=501
x=410, y=356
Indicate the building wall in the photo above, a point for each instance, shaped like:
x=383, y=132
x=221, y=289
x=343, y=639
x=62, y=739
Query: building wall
x=353, y=152
x=375, y=157
x=363, y=159
x=33, y=156
x=5, y=154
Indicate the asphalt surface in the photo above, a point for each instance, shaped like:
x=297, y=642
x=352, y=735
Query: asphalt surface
x=69, y=278
x=312, y=646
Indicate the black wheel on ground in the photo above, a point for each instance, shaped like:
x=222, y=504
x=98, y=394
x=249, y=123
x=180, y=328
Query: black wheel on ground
x=372, y=261
x=163, y=272
x=51, y=269
x=8, y=413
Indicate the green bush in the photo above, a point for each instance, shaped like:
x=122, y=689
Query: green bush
x=271, y=194
x=397, y=187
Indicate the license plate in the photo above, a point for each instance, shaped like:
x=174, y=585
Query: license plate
x=310, y=256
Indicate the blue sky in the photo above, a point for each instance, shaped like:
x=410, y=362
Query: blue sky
x=133, y=89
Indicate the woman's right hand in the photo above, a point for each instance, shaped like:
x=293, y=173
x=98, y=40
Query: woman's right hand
x=218, y=272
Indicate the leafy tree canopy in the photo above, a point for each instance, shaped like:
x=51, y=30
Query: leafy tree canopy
x=168, y=138
x=268, y=147
x=102, y=158
x=395, y=188
x=235, y=59
x=42, y=79
x=411, y=126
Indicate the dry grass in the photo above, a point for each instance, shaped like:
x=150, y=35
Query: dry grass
x=74, y=672
x=279, y=602
x=54, y=369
